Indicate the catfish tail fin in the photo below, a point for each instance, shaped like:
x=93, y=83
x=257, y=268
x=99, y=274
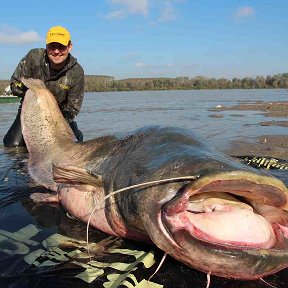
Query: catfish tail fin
x=47, y=134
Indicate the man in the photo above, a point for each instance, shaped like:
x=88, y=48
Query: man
x=60, y=72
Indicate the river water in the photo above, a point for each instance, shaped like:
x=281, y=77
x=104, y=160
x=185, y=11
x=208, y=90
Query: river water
x=109, y=113
x=112, y=112
x=106, y=113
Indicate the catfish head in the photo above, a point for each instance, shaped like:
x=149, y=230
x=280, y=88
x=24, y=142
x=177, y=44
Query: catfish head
x=233, y=224
x=230, y=221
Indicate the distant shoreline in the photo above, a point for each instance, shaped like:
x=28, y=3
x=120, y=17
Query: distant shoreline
x=103, y=83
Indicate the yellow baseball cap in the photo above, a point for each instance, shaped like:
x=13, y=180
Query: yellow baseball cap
x=58, y=34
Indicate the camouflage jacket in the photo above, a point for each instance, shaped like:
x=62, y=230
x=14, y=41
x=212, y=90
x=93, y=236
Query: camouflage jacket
x=67, y=85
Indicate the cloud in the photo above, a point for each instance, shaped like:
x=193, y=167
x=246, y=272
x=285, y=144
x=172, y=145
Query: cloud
x=244, y=12
x=142, y=65
x=163, y=9
x=116, y=14
x=12, y=36
x=131, y=55
x=129, y=7
x=167, y=13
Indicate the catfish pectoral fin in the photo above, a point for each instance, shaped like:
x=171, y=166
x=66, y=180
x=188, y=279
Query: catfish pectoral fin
x=72, y=174
x=45, y=197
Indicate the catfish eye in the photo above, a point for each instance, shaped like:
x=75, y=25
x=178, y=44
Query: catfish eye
x=177, y=165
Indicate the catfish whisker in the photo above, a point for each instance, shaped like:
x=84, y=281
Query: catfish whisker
x=267, y=283
x=155, y=182
x=158, y=267
x=208, y=279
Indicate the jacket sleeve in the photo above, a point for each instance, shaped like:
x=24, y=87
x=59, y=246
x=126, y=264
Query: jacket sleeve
x=22, y=70
x=72, y=106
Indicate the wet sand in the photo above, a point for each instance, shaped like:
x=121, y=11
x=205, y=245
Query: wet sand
x=267, y=145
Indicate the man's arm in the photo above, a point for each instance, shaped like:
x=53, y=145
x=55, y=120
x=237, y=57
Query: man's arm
x=28, y=67
x=72, y=106
x=22, y=70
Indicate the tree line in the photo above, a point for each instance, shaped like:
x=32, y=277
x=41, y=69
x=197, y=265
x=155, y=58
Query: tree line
x=100, y=83
x=95, y=84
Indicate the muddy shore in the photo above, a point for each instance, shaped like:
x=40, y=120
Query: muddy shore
x=267, y=145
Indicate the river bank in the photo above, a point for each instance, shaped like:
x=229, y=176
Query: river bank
x=265, y=145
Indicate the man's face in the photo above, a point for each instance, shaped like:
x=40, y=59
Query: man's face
x=58, y=53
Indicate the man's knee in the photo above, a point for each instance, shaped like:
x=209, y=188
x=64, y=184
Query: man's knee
x=13, y=140
x=14, y=137
x=78, y=134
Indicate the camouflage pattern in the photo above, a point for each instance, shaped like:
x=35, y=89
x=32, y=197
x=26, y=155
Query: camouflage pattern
x=67, y=85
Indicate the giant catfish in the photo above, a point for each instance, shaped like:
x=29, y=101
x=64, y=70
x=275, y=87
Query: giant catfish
x=229, y=221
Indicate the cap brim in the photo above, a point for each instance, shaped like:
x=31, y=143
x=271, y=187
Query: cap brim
x=58, y=40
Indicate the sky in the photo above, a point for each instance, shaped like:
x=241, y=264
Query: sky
x=154, y=38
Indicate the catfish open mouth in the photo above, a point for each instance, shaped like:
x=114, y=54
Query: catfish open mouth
x=234, y=212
